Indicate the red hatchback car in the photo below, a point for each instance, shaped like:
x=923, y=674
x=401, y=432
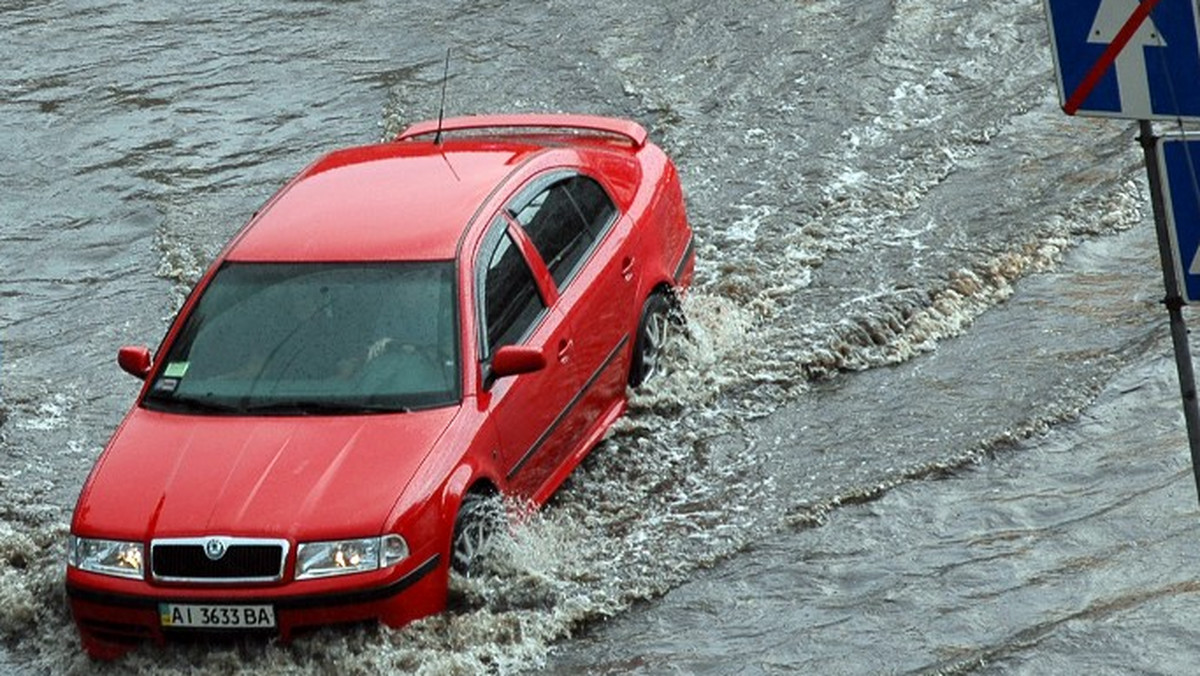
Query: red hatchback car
x=404, y=329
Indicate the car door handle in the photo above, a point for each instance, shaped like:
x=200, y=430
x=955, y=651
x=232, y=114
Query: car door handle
x=565, y=347
x=627, y=268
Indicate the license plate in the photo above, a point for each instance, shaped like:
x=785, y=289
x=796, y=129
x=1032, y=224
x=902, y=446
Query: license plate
x=216, y=617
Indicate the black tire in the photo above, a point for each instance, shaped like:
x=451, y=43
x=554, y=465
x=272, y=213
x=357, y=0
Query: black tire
x=654, y=328
x=480, y=517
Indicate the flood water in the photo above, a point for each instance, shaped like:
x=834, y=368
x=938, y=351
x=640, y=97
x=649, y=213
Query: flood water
x=926, y=420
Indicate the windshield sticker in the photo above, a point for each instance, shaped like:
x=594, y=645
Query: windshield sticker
x=166, y=385
x=175, y=369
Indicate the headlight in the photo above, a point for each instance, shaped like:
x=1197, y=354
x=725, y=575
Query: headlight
x=343, y=557
x=107, y=557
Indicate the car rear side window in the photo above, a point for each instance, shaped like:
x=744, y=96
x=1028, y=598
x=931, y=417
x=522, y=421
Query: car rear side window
x=564, y=221
x=510, y=295
x=594, y=205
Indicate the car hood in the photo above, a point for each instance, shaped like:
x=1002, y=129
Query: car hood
x=301, y=477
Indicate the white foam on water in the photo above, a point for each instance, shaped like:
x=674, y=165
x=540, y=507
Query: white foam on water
x=49, y=413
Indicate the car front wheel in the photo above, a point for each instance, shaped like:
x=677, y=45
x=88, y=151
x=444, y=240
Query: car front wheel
x=479, y=518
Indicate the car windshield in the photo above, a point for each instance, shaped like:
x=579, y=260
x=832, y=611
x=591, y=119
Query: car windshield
x=305, y=338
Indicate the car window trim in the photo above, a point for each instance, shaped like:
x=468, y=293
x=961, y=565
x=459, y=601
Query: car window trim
x=547, y=287
x=542, y=182
x=534, y=187
x=491, y=239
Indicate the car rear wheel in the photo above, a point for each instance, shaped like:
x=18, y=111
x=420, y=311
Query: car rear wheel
x=654, y=329
x=479, y=518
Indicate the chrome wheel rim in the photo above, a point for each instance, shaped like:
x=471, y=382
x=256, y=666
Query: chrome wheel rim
x=478, y=521
x=654, y=343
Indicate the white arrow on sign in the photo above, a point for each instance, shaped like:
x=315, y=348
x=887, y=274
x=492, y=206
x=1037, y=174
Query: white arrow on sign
x=1132, y=80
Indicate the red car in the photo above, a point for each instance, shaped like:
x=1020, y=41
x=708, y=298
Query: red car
x=403, y=330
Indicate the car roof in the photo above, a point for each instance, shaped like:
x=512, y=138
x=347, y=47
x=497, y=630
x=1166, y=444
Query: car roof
x=405, y=200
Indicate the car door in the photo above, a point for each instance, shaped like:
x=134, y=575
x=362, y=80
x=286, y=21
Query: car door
x=586, y=247
x=517, y=308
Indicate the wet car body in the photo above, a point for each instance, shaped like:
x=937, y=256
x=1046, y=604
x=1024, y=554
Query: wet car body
x=325, y=481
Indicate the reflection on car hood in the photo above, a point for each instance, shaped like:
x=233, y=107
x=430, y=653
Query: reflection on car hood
x=303, y=477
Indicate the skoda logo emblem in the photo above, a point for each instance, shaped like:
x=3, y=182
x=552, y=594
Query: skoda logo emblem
x=214, y=548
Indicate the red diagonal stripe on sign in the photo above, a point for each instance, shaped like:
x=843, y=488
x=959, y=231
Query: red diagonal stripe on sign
x=1114, y=48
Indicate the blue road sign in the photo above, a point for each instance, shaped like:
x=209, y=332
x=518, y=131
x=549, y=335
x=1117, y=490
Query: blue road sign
x=1125, y=59
x=1179, y=162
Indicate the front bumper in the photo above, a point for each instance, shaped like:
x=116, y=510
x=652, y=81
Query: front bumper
x=115, y=615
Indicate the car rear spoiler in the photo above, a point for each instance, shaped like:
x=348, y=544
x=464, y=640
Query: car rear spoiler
x=627, y=129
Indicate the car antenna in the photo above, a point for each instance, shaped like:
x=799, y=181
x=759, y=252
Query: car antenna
x=437, y=138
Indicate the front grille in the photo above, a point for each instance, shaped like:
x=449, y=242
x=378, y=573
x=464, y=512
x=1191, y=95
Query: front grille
x=240, y=560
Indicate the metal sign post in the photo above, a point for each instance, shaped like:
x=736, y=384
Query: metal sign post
x=1140, y=60
x=1174, y=299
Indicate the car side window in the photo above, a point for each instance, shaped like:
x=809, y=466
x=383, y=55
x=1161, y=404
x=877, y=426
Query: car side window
x=564, y=220
x=511, y=302
x=594, y=205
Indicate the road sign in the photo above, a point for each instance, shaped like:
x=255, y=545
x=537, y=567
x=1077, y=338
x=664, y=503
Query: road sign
x=1179, y=162
x=1127, y=59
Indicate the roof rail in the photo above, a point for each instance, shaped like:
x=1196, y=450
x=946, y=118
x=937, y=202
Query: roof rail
x=628, y=129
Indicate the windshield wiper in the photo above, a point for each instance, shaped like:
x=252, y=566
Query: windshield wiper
x=192, y=405
x=316, y=407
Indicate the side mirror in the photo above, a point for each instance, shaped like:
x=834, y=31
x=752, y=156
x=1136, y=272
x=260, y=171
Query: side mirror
x=512, y=360
x=135, y=360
